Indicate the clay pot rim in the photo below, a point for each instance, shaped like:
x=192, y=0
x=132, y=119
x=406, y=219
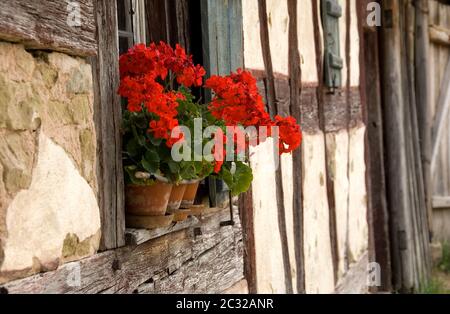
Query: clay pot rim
x=192, y=181
x=157, y=178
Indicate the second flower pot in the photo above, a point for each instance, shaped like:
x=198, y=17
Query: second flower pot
x=190, y=193
x=176, y=197
x=151, y=200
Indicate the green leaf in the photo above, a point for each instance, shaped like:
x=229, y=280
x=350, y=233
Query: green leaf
x=132, y=147
x=151, y=167
x=243, y=178
x=151, y=156
x=240, y=180
x=153, y=140
x=173, y=166
x=139, y=138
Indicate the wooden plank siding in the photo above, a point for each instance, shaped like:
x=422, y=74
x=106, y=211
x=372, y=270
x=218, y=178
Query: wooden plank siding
x=108, y=120
x=438, y=64
x=406, y=198
x=42, y=24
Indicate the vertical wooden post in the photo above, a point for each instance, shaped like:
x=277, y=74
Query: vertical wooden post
x=422, y=43
x=248, y=230
x=108, y=119
x=273, y=110
x=378, y=217
x=295, y=82
x=396, y=166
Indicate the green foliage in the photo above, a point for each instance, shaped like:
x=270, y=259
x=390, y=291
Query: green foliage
x=238, y=176
x=444, y=264
x=434, y=286
x=145, y=153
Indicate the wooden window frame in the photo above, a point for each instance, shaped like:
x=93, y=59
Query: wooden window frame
x=108, y=117
x=107, y=112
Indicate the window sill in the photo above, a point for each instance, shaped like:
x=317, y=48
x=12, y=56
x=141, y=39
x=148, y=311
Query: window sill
x=139, y=236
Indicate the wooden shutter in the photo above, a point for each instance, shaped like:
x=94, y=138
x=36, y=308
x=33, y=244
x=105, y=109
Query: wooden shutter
x=222, y=40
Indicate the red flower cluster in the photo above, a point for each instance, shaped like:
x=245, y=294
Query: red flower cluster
x=237, y=101
x=141, y=70
x=290, y=135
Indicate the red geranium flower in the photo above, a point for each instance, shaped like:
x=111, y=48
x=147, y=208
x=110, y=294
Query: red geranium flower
x=141, y=70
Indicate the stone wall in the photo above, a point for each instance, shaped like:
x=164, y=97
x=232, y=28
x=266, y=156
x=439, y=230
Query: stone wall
x=48, y=205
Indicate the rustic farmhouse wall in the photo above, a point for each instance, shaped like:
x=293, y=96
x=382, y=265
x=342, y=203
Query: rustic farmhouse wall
x=48, y=205
x=335, y=228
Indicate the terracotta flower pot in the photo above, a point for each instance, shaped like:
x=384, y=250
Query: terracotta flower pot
x=189, y=193
x=149, y=200
x=175, y=197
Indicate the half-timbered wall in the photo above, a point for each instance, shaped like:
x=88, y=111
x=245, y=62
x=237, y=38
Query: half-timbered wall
x=324, y=220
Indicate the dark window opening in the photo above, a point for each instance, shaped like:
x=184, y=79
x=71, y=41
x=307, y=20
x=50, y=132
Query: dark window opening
x=125, y=25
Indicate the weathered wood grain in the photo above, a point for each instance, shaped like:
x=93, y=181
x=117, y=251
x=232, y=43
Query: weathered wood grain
x=408, y=222
x=108, y=119
x=185, y=261
x=379, y=244
x=139, y=236
x=295, y=82
x=441, y=202
x=439, y=35
x=246, y=211
x=422, y=57
x=441, y=117
x=42, y=24
x=417, y=189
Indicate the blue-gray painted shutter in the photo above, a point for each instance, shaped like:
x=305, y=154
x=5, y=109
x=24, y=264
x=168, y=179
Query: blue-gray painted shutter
x=222, y=38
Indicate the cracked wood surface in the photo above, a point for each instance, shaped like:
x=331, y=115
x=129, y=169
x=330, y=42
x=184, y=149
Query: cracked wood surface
x=206, y=260
x=42, y=24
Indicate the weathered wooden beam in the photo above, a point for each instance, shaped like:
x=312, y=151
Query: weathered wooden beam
x=139, y=236
x=441, y=116
x=441, y=202
x=396, y=158
x=180, y=262
x=295, y=89
x=439, y=35
x=108, y=119
x=246, y=211
x=378, y=221
x=274, y=109
x=50, y=25
x=422, y=74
